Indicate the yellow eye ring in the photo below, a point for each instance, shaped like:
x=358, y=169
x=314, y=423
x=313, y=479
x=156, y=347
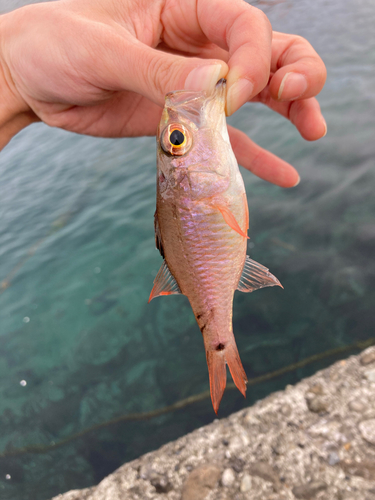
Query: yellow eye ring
x=176, y=139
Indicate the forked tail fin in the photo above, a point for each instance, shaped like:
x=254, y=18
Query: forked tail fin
x=217, y=360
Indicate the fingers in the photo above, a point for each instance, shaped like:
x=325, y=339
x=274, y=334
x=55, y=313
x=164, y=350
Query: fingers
x=109, y=59
x=246, y=33
x=305, y=114
x=308, y=119
x=299, y=72
x=261, y=162
x=131, y=65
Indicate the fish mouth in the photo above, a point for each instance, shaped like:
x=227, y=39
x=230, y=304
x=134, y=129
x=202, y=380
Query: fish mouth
x=178, y=97
x=197, y=108
x=220, y=87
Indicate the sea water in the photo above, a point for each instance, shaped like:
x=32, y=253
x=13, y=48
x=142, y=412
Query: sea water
x=80, y=346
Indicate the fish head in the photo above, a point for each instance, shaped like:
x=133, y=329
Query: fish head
x=194, y=151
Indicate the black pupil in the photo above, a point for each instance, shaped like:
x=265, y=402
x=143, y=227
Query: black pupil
x=176, y=138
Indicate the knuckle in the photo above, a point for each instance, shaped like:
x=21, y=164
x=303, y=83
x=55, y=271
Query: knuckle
x=261, y=19
x=160, y=74
x=264, y=20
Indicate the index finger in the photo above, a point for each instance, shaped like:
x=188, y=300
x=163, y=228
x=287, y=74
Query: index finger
x=246, y=33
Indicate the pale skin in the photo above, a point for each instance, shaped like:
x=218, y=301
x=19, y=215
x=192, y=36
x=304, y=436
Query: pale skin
x=102, y=68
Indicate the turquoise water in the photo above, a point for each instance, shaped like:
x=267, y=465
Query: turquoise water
x=79, y=345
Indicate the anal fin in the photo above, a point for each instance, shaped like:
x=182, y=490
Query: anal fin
x=255, y=276
x=164, y=283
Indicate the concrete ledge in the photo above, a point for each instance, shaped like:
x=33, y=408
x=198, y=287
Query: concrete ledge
x=315, y=440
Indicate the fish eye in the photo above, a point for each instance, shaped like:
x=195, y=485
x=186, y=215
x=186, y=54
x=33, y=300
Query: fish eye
x=176, y=139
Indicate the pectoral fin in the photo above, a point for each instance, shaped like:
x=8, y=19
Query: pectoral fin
x=231, y=220
x=158, y=242
x=255, y=276
x=164, y=283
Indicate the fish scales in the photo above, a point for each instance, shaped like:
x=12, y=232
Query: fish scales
x=201, y=257
x=201, y=223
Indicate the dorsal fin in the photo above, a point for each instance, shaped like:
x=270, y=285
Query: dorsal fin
x=164, y=283
x=158, y=242
x=255, y=276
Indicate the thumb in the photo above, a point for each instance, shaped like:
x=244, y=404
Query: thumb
x=153, y=73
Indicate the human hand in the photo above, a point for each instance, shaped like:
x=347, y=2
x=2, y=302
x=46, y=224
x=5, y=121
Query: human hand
x=102, y=68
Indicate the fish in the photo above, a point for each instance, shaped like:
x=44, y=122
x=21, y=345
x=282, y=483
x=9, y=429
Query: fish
x=201, y=223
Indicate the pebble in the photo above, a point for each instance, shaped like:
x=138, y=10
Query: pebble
x=228, y=477
x=370, y=375
x=333, y=458
x=264, y=471
x=250, y=420
x=317, y=404
x=237, y=464
x=316, y=401
x=161, y=484
x=245, y=483
x=368, y=357
x=286, y=410
x=365, y=469
x=200, y=482
x=316, y=389
x=236, y=443
x=367, y=430
x=146, y=472
x=308, y=491
x=357, y=406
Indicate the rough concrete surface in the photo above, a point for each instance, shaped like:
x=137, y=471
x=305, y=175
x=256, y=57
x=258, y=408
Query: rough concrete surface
x=315, y=440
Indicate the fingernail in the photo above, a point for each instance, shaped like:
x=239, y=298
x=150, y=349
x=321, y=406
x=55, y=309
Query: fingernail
x=292, y=86
x=298, y=181
x=204, y=77
x=325, y=126
x=238, y=94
